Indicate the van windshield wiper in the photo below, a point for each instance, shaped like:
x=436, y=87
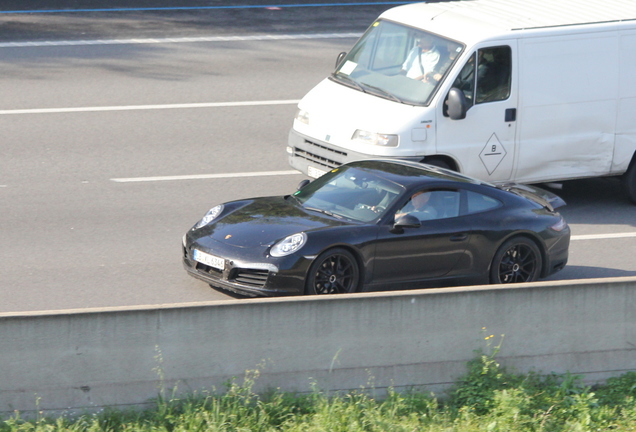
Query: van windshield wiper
x=348, y=81
x=384, y=92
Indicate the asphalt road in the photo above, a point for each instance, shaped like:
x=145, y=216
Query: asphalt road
x=97, y=19
x=101, y=145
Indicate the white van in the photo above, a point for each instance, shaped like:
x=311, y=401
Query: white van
x=503, y=90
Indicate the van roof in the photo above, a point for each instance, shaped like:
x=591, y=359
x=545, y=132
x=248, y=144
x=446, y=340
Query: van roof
x=494, y=17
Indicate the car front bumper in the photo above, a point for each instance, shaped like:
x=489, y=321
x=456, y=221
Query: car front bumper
x=285, y=276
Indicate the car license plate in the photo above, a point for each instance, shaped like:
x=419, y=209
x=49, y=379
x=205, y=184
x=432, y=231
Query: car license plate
x=209, y=260
x=315, y=172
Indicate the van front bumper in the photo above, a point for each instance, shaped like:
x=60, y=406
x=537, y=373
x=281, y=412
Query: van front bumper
x=314, y=157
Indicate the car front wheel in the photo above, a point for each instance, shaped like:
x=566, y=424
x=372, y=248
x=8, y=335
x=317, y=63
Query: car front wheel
x=335, y=271
x=517, y=260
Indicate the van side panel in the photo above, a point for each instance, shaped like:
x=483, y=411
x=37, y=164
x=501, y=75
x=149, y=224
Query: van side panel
x=626, y=121
x=568, y=90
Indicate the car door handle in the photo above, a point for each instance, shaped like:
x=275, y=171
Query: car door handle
x=459, y=237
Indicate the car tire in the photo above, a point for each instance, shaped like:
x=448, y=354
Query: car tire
x=335, y=271
x=629, y=182
x=517, y=260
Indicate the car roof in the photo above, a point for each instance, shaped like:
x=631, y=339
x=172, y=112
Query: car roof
x=408, y=173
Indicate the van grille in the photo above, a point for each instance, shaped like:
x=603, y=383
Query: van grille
x=337, y=155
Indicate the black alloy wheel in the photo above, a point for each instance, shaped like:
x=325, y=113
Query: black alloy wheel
x=333, y=272
x=517, y=260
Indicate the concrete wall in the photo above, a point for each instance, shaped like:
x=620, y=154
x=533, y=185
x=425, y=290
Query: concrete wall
x=117, y=357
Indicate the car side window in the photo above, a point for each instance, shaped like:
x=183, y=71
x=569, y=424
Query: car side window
x=477, y=203
x=432, y=205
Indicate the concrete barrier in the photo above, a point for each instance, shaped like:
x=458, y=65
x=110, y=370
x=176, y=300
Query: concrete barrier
x=87, y=359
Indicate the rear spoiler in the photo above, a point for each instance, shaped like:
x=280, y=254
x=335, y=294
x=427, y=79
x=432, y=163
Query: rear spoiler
x=540, y=196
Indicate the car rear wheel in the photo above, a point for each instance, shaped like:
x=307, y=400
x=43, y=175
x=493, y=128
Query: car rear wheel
x=335, y=271
x=517, y=260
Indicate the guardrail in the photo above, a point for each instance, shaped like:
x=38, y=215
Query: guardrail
x=88, y=359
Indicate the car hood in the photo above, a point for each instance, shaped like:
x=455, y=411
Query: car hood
x=264, y=221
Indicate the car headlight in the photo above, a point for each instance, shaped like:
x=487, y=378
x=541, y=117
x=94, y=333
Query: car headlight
x=374, y=138
x=302, y=116
x=209, y=216
x=288, y=245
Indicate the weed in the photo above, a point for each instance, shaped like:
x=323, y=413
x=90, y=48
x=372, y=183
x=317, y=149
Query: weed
x=486, y=398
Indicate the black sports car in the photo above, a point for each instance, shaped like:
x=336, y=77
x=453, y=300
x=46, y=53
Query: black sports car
x=376, y=224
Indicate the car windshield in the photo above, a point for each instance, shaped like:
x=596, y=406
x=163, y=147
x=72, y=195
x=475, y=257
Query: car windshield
x=398, y=63
x=350, y=193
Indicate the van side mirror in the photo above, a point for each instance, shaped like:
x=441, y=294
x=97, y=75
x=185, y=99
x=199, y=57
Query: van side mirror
x=341, y=57
x=302, y=184
x=457, y=104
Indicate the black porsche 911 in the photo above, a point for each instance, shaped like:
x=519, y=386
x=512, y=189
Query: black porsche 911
x=373, y=225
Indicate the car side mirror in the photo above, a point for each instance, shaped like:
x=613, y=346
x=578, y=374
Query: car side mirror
x=457, y=104
x=405, y=221
x=302, y=184
x=339, y=59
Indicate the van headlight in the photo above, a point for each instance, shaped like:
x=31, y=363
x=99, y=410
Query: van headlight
x=289, y=245
x=373, y=138
x=302, y=116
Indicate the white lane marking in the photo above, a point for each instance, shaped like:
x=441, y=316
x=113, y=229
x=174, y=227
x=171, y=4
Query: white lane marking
x=294, y=172
x=205, y=176
x=603, y=236
x=179, y=40
x=148, y=107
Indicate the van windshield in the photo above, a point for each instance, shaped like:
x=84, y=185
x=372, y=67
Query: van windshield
x=397, y=62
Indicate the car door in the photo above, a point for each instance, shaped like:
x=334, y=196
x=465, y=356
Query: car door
x=428, y=251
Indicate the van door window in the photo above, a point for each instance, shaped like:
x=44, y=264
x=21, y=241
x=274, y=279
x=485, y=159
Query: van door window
x=493, y=74
x=465, y=81
x=492, y=80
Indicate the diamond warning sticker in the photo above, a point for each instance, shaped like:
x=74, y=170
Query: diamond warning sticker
x=492, y=154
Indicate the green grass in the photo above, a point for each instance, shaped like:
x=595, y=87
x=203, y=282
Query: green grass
x=487, y=398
